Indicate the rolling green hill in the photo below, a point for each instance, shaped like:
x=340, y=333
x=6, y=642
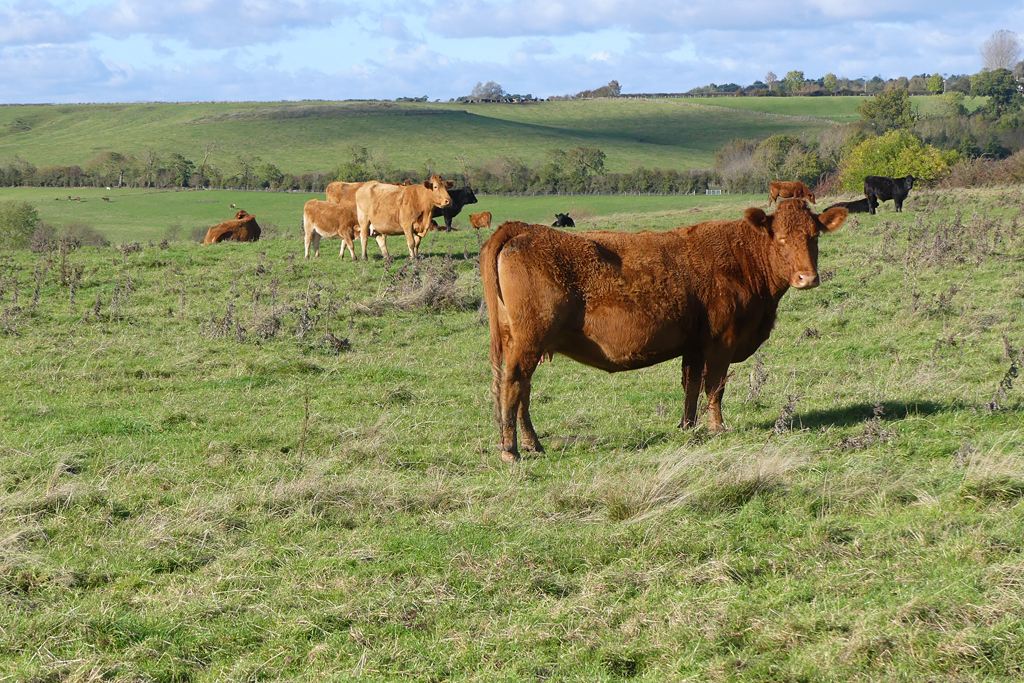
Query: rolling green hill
x=308, y=136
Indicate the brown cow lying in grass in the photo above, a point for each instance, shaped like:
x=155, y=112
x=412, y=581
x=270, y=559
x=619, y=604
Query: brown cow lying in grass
x=621, y=301
x=242, y=229
x=782, y=189
x=329, y=219
x=399, y=210
x=480, y=220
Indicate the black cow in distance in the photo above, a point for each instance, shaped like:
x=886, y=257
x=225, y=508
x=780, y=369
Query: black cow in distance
x=562, y=220
x=884, y=188
x=460, y=198
x=866, y=205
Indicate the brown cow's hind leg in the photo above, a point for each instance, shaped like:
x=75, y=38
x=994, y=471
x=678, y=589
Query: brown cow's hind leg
x=515, y=404
x=693, y=375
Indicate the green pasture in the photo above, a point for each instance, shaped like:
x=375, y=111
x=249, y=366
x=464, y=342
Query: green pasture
x=134, y=215
x=228, y=463
x=315, y=136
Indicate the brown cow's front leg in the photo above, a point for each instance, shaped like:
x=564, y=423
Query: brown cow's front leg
x=693, y=375
x=410, y=239
x=714, y=387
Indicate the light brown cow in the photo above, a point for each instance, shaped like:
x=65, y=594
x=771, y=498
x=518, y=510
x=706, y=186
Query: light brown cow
x=783, y=189
x=480, y=220
x=621, y=301
x=242, y=229
x=339, y=191
x=329, y=219
x=399, y=210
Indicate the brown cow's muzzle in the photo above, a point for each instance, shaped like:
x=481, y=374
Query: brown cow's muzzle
x=807, y=279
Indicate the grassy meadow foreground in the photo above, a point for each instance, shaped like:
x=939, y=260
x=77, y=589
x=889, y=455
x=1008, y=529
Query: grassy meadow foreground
x=227, y=463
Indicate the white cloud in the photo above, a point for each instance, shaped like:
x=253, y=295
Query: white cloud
x=35, y=22
x=602, y=56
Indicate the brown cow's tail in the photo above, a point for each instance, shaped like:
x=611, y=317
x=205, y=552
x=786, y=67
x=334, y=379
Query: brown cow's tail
x=492, y=295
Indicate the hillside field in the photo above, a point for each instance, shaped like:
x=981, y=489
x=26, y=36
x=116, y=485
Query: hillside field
x=228, y=463
x=315, y=136
x=838, y=109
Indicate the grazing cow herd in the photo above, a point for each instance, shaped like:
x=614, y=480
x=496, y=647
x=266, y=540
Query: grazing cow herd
x=616, y=301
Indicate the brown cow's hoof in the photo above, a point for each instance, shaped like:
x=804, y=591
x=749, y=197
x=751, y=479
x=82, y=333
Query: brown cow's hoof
x=509, y=454
x=534, y=447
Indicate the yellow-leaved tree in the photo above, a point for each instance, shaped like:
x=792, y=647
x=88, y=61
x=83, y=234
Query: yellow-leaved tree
x=895, y=154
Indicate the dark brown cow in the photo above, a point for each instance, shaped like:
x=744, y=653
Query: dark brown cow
x=782, y=189
x=242, y=229
x=399, y=210
x=621, y=301
x=480, y=220
x=329, y=219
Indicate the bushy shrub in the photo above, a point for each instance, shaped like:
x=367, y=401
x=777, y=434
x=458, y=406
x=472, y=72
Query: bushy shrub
x=896, y=154
x=85, y=234
x=17, y=222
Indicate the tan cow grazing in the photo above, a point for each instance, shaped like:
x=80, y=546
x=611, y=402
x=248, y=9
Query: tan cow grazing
x=782, y=189
x=399, y=210
x=621, y=301
x=242, y=229
x=328, y=219
x=480, y=220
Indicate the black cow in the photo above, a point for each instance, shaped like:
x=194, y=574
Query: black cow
x=562, y=220
x=866, y=205
x=460, y=198
x=885, y=188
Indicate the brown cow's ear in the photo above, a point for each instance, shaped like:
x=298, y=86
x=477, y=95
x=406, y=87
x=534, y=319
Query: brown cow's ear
x=833, y=218
x=449, y=184
x=426, y=184
x=758, y=219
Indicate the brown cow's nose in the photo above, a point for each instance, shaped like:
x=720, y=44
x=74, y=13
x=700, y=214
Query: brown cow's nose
x=806, y=280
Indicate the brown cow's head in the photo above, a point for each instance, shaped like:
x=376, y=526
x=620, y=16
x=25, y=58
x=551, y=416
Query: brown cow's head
x=242, y=213
x=439, y=188
x=794, y=230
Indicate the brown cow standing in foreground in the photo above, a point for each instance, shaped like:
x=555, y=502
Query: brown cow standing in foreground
x=399, y=210
x=328, y=219
x=782, y=189
x=242, y=229
x=621, y=301
x=480, y=220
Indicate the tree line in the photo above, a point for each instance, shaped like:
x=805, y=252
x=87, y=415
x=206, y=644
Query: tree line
x=579, y=170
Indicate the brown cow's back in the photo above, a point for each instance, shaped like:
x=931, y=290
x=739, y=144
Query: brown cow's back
x=785, y=189
x=339, y=192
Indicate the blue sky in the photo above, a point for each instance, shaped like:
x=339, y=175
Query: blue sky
x=188, y=50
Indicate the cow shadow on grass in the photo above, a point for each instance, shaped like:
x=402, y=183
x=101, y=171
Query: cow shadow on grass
x=859, y=413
